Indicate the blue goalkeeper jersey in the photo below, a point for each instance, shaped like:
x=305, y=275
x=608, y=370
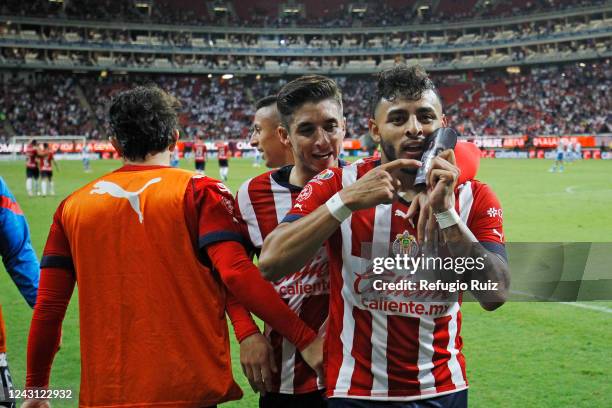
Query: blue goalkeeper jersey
x=15, y=246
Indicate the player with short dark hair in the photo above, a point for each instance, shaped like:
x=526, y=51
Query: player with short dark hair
x=32, y=170
x=313, y=135
x=382, y=346
x=47, y=161
x=199, y=155
x=141, y=219
x=265, y=137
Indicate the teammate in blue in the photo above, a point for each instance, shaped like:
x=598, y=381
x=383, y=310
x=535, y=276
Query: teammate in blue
x=559, y=159
x=22, y=265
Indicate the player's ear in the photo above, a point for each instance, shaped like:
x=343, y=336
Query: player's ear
x=374, y=130
x=116, y=145
x=176, y=135
x=283, y=135
x=444, y=121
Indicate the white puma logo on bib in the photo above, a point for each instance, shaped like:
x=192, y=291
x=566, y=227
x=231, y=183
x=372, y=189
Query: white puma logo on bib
x=112, y=189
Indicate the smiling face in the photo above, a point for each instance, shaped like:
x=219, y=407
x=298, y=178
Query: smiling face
x=402, y=126
x=315, y=135
x=264, y=136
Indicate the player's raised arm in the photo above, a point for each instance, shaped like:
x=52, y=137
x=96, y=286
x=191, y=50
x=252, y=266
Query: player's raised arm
x=292, y=244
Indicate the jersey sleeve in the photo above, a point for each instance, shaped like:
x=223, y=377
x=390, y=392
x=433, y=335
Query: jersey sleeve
x=57, y=249
x=242, y=322
x=216, y=219
x=16, y=249
x=486, y=219
x=315, y=193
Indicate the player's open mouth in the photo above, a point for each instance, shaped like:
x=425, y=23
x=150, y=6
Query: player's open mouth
x=411, y=150
x=322, y=156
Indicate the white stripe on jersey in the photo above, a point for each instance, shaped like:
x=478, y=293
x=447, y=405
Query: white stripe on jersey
x=343, y=383
x=248, y=214
x=282, y=199
x=466, y=198
x=288, y=367
x=426, y=378
x=380, y=249
x=453, y=363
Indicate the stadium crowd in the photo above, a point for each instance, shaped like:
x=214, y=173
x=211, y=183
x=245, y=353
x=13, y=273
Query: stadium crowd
x=335, y=14
x=570, y=99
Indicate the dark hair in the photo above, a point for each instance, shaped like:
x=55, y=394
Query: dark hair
x=33, y=142
x=310, y=88
x=45, y=145
x=402, y=82
x=265, y=101
x=143, y=120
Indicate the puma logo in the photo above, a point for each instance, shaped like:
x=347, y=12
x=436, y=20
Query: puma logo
x=112, y=189
x=501, y=236
x=298, y=206
x=400, y=213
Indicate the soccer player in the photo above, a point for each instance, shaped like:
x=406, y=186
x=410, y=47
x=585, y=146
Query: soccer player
x=265, y=137
x=559, y=159
x=21, y=263
x=46, y=170
x=381, y=346
x=223, y=156
x=32, y=170
x=312, y=130
x=152, y=330
x=199, y=154
x=86, y=160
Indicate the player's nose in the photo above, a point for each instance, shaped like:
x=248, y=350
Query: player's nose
x=254, y=141
x=413, y=127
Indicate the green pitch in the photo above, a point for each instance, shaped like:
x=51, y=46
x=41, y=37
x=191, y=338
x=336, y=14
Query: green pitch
x=522, y=355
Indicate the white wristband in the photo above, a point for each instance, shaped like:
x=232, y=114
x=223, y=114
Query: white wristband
x=447, y=218
x=337, y=208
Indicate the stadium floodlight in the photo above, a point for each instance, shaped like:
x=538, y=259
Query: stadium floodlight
x=360, y=8
x=220, y=9
x=56, y=1
x=143, y=4
x=513, y=70
x=227, y=76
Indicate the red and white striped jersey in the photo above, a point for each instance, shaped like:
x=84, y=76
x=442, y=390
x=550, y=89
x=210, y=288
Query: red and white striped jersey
x=222, y=151
x=382, y=344
x=262, y=202
x=46, y=162
x=31, y=157
x=199, y=150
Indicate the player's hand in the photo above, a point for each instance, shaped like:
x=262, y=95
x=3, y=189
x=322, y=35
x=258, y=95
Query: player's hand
x=420, y=205
x=441, y=179
x=36, y=403
x=377, y=186
x=313, y=356
x=257, y=360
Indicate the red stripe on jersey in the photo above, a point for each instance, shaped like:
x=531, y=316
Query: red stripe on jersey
x=10, y=205
x=262, y=201
x=362, y=378
x=362, y=236
x=459, y=346
x=441, y=355
x=402, y=355
x=313, y=313
x=333, y=344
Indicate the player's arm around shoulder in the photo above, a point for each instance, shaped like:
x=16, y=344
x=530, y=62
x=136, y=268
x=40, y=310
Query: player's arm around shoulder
x=319, y=210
